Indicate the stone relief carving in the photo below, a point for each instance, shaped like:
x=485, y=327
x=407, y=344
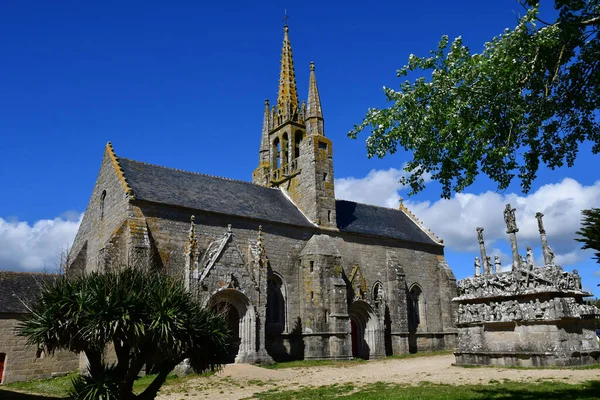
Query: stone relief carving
x=358, y=283
x=550, y=278
x=513, y=310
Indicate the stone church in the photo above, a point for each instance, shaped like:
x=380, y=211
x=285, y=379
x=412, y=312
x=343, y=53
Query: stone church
x=300, y=274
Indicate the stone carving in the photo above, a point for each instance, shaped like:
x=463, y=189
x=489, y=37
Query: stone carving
x=511, y=229
x=540, y=308
x=530, y=260
x=513, y=310
x=551, y=278
x=497, y=264
x=546, y=250
x=477, y=266
x=358, y=283
x=378, y=294
x=484, y=259
x=510, y=219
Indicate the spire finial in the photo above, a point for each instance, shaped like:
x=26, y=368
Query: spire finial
x=285, y=18
x=287, y=97
x=314, y=114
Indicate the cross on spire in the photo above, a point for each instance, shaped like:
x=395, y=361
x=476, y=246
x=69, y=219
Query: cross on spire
x=285, y=17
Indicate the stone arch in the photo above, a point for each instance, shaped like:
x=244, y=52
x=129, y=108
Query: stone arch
x=237, y=305
x=276, y=152
x=365, y=330
x=277, y=299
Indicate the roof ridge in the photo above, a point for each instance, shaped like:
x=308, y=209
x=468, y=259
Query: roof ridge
x=418, y=222
x=403, y=209
x=120, y=173
x=196, y=173
x=370, y=205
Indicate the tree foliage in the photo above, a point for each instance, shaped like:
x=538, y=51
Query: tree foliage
x=148, y=319
x=590, y=231
x=531, y=96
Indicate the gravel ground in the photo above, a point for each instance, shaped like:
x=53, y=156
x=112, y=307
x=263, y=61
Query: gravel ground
x=239, y=381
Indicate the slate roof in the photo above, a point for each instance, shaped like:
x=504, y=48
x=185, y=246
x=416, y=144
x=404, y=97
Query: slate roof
x=175, y=187
x=209, y=193
x=17, y=286
x=380, y=221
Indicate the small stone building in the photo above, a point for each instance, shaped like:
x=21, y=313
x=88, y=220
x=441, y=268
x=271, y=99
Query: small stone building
x=300, y=273
x=18, y=360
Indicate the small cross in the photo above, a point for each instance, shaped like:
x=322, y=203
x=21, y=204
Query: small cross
x=285, y=17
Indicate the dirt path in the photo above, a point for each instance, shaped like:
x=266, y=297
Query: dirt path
x=238, y=381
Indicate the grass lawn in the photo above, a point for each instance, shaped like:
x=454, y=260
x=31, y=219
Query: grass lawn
x=58, y=387
x=428, y=391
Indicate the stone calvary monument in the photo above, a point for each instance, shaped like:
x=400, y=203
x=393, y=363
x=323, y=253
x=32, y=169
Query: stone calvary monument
x=529, y=316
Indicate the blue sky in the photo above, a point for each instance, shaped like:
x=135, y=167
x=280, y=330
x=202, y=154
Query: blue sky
x=183, y=85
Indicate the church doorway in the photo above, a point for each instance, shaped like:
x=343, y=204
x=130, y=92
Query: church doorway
x=364, y=329
x=233, y=321
x=242, y=322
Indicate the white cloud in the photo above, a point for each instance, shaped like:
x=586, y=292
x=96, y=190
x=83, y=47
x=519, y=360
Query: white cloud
x=25, y=247
x=379, y=187
x=455, y=219
x=561, y=203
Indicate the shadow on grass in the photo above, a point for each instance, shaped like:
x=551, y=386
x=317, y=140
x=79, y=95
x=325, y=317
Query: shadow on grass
x=10, y=395
x=546, y=391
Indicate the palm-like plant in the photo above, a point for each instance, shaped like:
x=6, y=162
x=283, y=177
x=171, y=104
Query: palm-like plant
x=147, y=318
x=590, y=231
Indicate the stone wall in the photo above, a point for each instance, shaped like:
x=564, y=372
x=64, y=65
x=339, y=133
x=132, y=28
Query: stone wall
x=22, y=362
x=311, y=301
x=103, y=218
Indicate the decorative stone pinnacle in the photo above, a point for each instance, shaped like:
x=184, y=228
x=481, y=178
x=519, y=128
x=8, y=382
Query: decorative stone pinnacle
x=260, y=233
x=228, y=228
x=312, y=65
x=267, y=102
x=192, y=218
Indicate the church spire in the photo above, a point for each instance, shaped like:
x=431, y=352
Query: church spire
x=263, y=154
x=287, y=98
x=314, y=114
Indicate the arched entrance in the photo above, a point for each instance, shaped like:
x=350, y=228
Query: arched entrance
x=365, y=329
x=242, y=322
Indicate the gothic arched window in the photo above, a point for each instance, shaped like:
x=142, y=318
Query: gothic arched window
x=416, y=309
x=276, y=153
x=276, y=299
x=284, y=149
x=297, y=141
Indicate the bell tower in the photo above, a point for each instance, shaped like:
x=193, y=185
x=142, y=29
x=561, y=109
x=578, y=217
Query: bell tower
x=294, y=153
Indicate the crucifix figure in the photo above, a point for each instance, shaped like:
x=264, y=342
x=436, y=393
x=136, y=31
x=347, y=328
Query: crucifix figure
x=486, y=265
x=546, y=251
x=511, y=229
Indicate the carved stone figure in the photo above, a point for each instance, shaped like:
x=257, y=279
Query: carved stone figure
x=510, y=219
x=576, y=280
x=530, y=259
x=497, y=264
